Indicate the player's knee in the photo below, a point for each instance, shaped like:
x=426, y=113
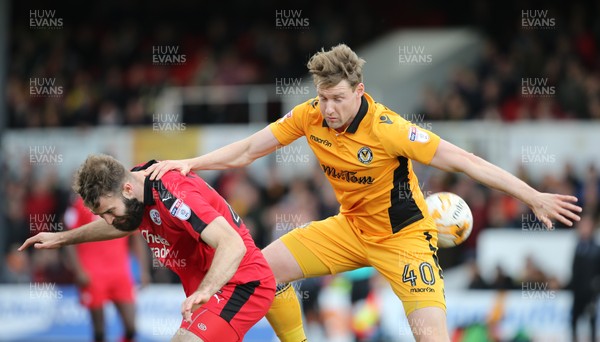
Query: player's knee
x=428, y=324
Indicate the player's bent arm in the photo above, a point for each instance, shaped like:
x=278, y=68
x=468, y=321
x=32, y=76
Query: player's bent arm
x=94, y=231
x=229, y=251
x=449, y=157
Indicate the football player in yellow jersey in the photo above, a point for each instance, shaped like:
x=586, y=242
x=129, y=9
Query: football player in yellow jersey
x=366, y=152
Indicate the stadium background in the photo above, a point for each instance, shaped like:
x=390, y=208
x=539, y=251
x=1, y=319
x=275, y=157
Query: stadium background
x=516, y=82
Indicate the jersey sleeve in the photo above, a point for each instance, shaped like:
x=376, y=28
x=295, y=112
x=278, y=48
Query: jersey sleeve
x=291, y=126
x=194, y=213
x=401, y=138
x=186, y=204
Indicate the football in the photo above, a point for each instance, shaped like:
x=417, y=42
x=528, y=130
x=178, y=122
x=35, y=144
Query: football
x=452, y=217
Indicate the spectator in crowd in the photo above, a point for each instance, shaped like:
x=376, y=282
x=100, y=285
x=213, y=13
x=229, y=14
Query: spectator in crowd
x=501, y=280
x=476, y=281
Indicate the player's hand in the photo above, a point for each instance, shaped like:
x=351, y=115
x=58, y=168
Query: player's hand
x=193, y=302
x=548, y=207
x=43, y=241
x=157, y=170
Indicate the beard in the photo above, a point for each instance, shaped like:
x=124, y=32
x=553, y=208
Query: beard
x=134, y=213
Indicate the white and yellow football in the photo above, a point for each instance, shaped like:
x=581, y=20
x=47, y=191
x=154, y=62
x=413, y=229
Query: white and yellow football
x=452, y=217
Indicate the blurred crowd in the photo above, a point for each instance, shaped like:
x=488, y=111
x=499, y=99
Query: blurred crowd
x=545, y=73
x=108, y=76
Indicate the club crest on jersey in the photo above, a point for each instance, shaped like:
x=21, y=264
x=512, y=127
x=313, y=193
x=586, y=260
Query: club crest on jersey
x=365, y=155
x=415, y=134
x=180, y=210
x=155, y=216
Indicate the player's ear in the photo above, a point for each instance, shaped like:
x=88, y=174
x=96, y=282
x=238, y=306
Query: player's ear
x=360, y=89
x=127, y=190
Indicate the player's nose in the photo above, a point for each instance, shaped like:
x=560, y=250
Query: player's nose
x=327, y=109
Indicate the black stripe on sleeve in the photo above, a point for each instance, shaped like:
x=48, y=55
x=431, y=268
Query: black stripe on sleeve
x=239, y=297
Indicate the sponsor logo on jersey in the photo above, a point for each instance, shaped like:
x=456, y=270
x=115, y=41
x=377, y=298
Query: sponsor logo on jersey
x=155, y=216
x=180, y=210
x=320, y=140
x=415, y=134
x=154, y=238
x=365, y=155
x=421, y=289
x=348, y=176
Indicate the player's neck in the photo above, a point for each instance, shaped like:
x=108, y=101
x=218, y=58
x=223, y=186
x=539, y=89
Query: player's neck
x=138, y=180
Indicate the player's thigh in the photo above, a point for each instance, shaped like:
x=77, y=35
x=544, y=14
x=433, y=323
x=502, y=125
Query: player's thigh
x=409, y=261
x=282, y=262
x=429, y=324
x=183, y=335
x=320, y=248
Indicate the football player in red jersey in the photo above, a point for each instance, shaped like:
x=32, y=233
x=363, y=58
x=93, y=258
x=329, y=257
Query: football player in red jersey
x=102, y=273
x=189, y=228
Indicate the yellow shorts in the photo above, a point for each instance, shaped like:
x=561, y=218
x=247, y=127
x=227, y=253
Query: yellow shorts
x=407, y=259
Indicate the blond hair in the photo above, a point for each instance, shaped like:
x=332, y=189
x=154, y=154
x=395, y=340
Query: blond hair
x=328, y=68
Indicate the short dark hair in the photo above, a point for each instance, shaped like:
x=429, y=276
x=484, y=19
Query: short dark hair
x=99, y=175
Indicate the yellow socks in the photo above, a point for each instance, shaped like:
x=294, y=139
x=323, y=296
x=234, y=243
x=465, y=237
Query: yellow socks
x=285, y=315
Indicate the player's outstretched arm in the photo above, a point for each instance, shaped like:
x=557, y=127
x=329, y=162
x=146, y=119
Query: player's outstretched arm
x=94, y=231
x=229, y=251
x=237, y=154
x=545, y=206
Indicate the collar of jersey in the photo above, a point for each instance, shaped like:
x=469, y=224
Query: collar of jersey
x=148, y=184
x=362, y=111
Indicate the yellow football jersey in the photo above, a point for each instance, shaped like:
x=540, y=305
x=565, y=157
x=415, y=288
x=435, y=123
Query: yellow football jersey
x=369, y=164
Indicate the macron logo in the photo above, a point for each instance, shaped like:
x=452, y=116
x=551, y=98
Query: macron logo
x=320, y=141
